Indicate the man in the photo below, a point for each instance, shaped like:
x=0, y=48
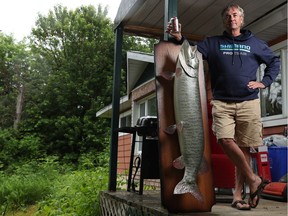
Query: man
x=233, y=60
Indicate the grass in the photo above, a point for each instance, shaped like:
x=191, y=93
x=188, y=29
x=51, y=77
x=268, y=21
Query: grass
x=28, y=211
x=45, y=188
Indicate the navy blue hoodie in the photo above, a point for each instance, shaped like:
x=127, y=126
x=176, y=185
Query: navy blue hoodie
x=233, y=63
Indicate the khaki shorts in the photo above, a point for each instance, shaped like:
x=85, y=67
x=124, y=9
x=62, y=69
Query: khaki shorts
x=240, y=121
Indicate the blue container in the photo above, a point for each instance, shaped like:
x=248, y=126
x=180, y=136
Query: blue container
x=278, y=162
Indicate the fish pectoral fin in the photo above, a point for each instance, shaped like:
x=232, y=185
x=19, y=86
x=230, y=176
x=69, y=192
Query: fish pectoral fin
x=171, y=129
x=168, y=75
x=178, y=163
x=178, y=72
x=184, y=187
x=180, y=126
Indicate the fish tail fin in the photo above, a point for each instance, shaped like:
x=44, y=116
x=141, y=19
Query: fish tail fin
x=184, y=187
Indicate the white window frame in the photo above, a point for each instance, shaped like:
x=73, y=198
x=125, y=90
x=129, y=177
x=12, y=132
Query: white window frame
x=281, y=119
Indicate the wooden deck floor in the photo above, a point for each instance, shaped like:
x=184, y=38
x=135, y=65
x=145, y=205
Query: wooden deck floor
x=123, y=203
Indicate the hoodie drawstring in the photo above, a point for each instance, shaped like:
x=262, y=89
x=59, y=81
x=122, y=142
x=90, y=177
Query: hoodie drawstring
x=239, y=54
x=233, y=52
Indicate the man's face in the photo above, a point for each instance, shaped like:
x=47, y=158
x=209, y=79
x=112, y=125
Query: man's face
x=233, y=19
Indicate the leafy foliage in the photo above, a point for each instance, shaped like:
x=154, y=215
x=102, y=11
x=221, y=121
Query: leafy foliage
x=79, y=60
x=15, y=149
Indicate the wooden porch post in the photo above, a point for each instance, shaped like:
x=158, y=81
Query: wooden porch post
x=115, y=109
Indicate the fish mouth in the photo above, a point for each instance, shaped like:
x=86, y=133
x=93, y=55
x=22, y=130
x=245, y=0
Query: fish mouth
x=188, y=60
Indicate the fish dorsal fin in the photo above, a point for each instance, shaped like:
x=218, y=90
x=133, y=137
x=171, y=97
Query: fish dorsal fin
x=188, y=59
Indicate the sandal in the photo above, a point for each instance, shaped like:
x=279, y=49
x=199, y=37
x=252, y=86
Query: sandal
x=257, y=194
x=242, y=202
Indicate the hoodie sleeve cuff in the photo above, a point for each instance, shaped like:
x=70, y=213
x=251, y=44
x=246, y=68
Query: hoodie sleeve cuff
x=265, y=83
x=176, y=41
x=192, y=43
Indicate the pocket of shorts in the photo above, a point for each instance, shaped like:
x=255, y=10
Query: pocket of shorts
x=217, y=106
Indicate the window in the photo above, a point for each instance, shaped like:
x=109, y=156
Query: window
x=142, y=110
x=274, y=98
x=145, y=107
x=125, y=121
x=148, y=107
x=151, y=107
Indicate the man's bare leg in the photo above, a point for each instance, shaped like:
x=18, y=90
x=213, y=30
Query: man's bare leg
x=239, y=185
x=240, y=158
x=240, y=180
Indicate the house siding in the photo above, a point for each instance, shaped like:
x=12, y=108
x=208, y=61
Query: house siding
x=124, y=151
x=144, y=90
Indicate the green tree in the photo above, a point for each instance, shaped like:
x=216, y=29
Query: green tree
x=14, y=68
x=71, y=80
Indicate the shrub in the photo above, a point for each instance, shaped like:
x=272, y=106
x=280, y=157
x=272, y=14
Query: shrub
x=15, y=149
x=76, y=193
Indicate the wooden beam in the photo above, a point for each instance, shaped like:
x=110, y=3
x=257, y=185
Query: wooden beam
x=278, y=40
x=143, y=31
x=155, y=32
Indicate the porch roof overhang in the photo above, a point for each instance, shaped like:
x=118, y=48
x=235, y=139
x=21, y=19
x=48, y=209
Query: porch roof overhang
x=267, y=19
x=106, y=112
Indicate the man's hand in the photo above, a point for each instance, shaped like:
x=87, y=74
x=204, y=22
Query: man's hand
x=177, y=35
x=255, y=85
